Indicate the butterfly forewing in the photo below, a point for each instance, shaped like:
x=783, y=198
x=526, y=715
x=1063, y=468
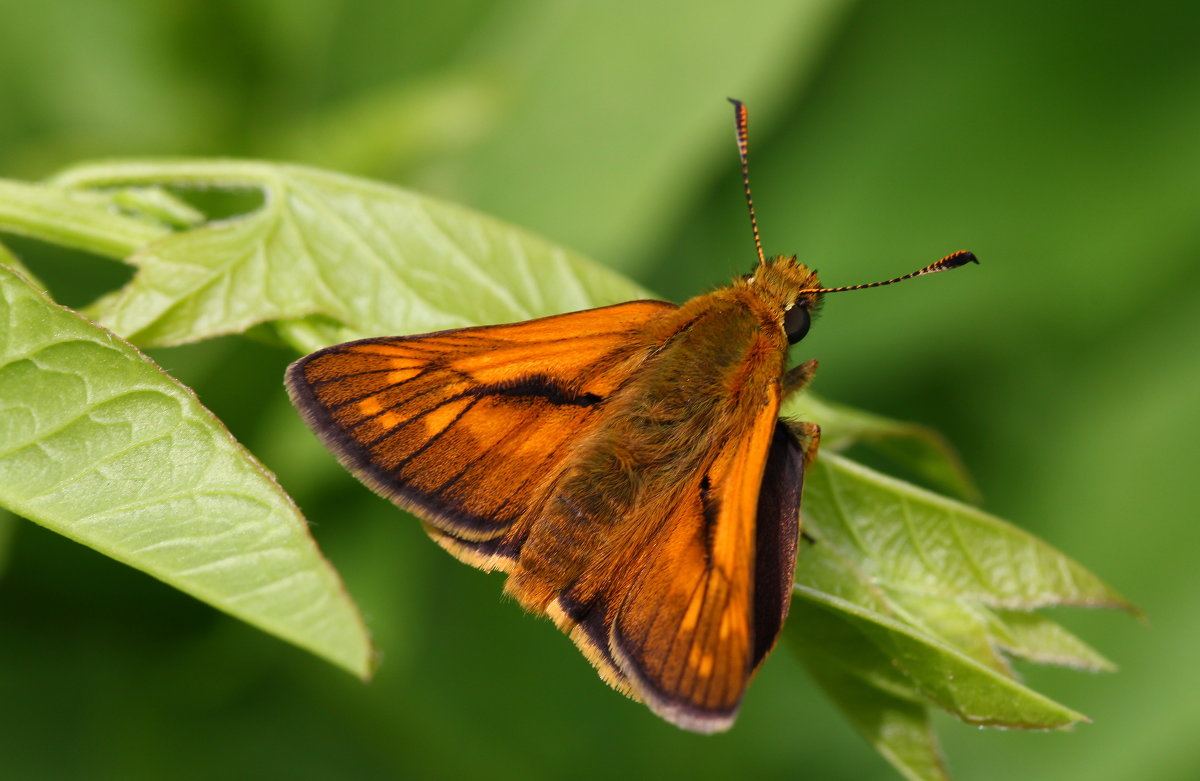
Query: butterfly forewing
x=684, y=632
x=467, y=427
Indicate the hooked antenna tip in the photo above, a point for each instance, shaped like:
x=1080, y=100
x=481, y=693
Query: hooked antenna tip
x=960, y=258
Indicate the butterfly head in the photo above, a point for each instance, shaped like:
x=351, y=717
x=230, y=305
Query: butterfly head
x=789, y=288
x=792, y=290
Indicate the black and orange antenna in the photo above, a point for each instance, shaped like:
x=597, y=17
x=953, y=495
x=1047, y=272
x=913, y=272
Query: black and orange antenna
x=743, y=137
x=953, y=260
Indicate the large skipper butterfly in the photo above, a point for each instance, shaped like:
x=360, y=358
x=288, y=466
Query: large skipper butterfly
x=626, y=466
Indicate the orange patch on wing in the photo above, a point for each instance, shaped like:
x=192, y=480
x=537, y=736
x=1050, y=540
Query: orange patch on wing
x=403, y=375
x=369, y=406
x=409, y=363
x=437, y=420
x=389, y=420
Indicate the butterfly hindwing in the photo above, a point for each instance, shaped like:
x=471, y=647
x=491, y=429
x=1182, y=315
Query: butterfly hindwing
x=777, y=530
x=467, y=427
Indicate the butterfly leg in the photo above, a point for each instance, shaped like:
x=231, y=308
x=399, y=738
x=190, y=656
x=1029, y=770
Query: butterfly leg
x=798, y=377
x=808, y=435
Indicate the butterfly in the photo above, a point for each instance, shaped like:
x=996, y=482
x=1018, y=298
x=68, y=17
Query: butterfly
x=626, y=466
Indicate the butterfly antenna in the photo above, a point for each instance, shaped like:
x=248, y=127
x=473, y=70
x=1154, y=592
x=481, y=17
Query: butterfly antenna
x=743, y=137
x=953, y=260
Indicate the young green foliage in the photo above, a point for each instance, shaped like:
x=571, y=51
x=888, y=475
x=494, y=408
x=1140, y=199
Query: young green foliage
x=358, y=257
x=100, y=445
x=904, y=600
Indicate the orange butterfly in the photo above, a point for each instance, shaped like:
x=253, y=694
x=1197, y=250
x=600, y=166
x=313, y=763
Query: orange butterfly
x=626, y=466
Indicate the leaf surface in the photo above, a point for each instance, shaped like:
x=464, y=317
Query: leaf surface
x=98, y=444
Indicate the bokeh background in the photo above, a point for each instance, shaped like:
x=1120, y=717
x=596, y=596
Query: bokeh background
x=1059, y=141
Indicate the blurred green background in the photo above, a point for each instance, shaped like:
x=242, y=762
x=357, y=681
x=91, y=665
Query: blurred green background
x=1060, y=142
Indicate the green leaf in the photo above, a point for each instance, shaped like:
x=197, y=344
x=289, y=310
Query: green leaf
x=1036, y=638
x=938, y=588
x=98, y=444
x=878, y=700
x=367, y=258
x=901, y=731
x=81, y=219
x=912, y=540
x=7, y=258
x=958, y=622
x=944, y=675
x=157, y=204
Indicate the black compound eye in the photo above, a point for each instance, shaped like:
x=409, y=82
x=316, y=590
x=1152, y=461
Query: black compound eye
x=796, y=322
